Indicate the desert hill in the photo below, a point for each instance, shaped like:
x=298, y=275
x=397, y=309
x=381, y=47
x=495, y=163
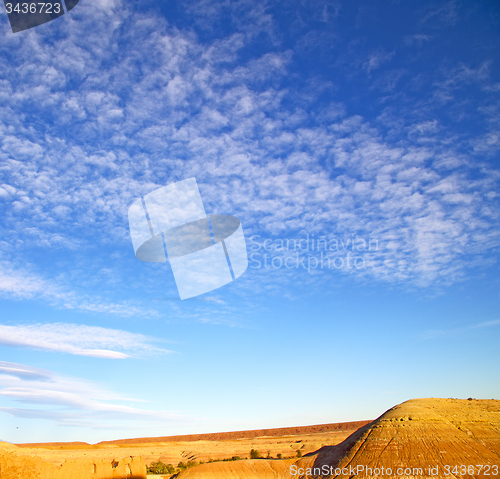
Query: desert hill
x=420, y=438
x=407, y=440
x=416, y=435
x=7, y=446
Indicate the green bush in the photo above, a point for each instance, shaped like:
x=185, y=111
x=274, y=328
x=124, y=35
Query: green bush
x=186, y=465
x=159, y=467
x=254, y=454
x=227, y=459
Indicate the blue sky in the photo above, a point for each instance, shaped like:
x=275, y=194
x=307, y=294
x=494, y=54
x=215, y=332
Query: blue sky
x=356, y=123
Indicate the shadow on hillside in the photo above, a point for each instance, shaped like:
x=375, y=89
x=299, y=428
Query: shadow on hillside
x=333, y=455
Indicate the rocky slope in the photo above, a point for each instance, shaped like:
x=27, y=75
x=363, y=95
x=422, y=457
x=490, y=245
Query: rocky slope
x=418, y=438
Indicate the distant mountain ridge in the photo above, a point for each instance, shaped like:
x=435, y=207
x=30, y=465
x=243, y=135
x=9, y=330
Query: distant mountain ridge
x=54, y=444
x=218, y=436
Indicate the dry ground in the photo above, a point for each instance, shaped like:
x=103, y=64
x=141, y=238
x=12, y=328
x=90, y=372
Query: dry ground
x=174, y=449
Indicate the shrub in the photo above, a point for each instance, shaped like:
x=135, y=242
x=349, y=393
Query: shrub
x=186, y=465
x=254, y=454
x=159, y=467
x=299, y=453
x=279, y=456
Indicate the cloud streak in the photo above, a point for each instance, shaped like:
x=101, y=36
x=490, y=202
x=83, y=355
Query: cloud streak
x=67, y=400
x=436, y=333
x=78, y=339
x=16, y=282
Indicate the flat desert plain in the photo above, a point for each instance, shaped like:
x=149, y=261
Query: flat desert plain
x=203, y=447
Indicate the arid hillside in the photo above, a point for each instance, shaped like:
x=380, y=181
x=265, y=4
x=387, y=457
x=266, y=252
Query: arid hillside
x=421, y=437
x=418, y=438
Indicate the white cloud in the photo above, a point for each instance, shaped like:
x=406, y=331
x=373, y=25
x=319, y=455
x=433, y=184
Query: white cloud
x=464, y=74
x=444, y=12
x=417, y=39
x=78, y=339
x=172, y=107
x=67, y=400
x=376, y=59
x=436, y=333
x=23, y=372
x=20, y=284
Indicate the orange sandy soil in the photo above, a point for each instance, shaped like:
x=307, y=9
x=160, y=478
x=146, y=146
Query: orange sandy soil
x=454, y=437
x=419, y=433
x=203, y=447
x=414, y=436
